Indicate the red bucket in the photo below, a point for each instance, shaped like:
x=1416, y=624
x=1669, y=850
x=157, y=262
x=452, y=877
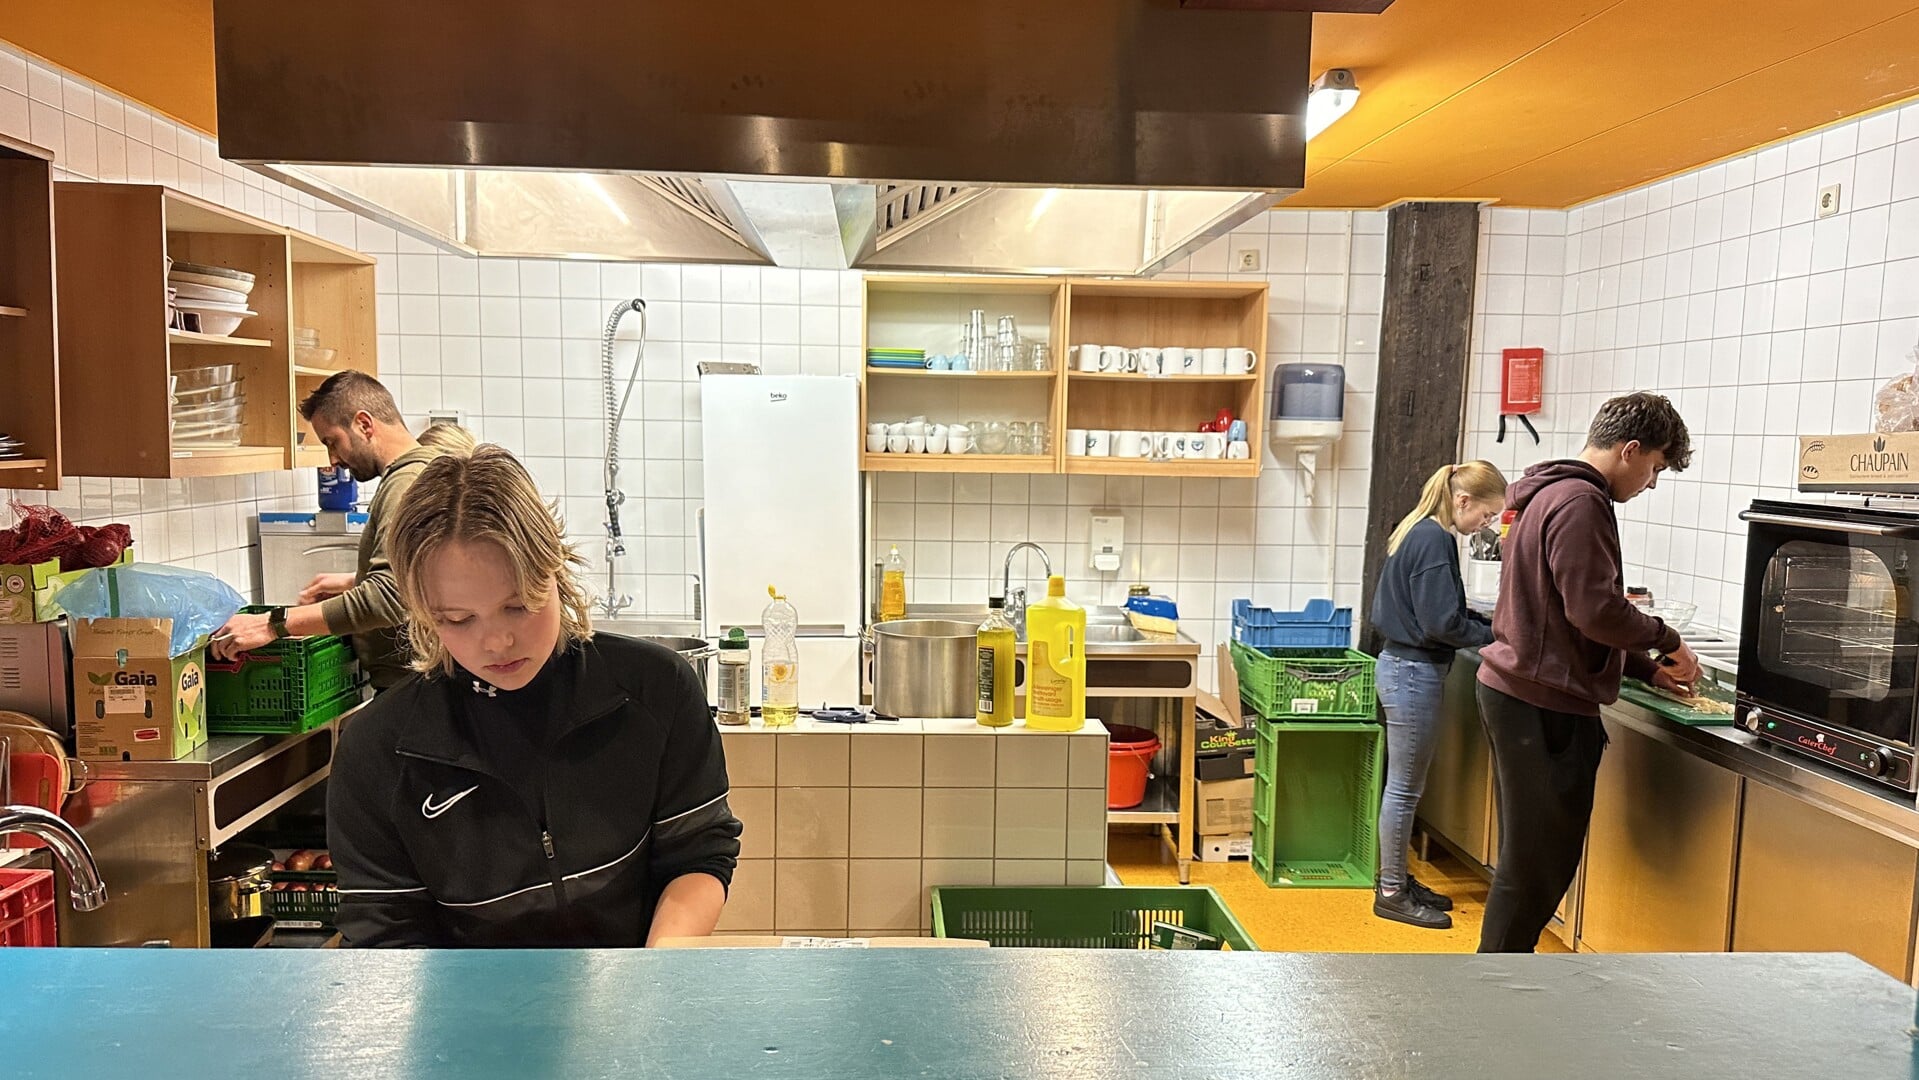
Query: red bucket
x=1129, y=756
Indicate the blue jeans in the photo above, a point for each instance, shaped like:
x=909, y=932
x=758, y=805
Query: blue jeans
x=1411, y=691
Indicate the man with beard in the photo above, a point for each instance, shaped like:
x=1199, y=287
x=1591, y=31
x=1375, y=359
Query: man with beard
x=356, y=419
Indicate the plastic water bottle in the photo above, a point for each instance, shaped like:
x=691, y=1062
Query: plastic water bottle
x=780, y=662
x=337, y=489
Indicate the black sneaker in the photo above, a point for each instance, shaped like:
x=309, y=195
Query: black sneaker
x=1436, y=901
x=1402, y=906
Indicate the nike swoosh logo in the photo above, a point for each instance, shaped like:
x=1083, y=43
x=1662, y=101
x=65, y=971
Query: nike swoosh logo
x=430, y=811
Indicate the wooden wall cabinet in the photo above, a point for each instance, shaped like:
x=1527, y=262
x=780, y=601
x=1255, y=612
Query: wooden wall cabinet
x=114, y=242
x=29, y=364
x=926, y=311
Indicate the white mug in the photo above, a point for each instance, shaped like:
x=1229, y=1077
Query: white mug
x=937, y=444
x=916, y=444
x=896, y=444
x=1215, y=444
x=1212, y=361
x=1238, y=450
x=896, y=429
x=1181, y=360
x=1075, y=442
x=1152, y=361
x=1099, y=443
x=876, y=429
x=1112, y=358
x=1166, y=445
x=1088, y=357
x=959, y=439
x=915, y=429
x=1194, y=444
x=1130, y=444
x=1241, y=362
x=876, y=444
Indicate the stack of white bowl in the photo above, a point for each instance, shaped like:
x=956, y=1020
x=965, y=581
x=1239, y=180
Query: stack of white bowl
x=216, y=295
x=208, y=404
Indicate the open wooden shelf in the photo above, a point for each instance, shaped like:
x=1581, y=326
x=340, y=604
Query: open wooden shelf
x=114, y=240
x=314, y=372
x=959, y=463
x=1157, y=380
x=890, y=373
x=310, y=457
x=189, y=337
x=29, y=322
x=1112, y=466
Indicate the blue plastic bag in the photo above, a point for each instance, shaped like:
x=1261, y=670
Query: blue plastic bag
x=196, y=601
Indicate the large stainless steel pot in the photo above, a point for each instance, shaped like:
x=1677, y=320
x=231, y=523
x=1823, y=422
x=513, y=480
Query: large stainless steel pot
x=239, y=876
x=925, y=668
x=697, y=651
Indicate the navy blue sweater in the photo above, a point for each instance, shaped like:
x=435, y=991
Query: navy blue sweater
x=1420, y=607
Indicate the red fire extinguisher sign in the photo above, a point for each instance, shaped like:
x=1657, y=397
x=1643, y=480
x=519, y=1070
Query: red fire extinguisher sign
x=1522, y=382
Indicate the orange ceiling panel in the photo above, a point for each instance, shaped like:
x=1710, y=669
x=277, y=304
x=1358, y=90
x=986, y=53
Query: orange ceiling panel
x=1497, y=100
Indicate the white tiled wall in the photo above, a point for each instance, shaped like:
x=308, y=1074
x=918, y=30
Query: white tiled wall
x=1722, y=289
x=98, y=135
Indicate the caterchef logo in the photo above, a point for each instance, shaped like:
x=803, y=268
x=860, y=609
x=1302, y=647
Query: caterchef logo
x=1879, y=460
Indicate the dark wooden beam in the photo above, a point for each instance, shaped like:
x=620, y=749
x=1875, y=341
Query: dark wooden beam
x=1348, y=7
x=1425, y=345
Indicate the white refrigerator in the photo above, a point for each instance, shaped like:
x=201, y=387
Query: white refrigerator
x=782, y=508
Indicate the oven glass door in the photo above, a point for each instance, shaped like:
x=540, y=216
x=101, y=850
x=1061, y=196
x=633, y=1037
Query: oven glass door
x=1830, y=630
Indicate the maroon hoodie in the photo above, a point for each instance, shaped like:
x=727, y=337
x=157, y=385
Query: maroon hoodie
x=1564, y=631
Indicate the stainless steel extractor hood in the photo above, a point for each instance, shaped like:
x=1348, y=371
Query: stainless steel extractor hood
x=1071, y=136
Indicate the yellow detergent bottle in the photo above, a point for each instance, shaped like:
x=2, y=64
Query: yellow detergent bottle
x=1056, y=661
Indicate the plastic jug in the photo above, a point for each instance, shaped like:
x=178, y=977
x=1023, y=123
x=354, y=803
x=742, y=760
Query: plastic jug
x=780, y=663
x=338, y=490
x=1056, y=661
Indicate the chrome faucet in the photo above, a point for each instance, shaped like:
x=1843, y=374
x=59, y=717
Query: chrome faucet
x=1016, y=598
x=88, y=891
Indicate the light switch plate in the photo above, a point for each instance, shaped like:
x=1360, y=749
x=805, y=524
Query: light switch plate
x=1105, y=539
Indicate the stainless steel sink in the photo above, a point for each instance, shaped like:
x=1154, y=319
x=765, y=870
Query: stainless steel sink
x=1108, y=631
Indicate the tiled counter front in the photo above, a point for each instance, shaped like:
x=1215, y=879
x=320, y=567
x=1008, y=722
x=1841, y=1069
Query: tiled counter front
x=848, y=829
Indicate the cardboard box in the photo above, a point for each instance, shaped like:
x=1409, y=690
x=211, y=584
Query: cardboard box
x=1225, y=807
x=1866, y=463
x=1216, y=736
x=774, y=941
x=20, y=589
x=1224, y=848
x=131, y=700
x=1226, y=765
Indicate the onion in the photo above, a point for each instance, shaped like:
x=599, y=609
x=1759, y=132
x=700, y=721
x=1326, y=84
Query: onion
x=323, y=861
x=300, y=861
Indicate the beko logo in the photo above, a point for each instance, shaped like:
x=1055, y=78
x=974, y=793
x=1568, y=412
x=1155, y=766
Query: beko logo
x=1880, y=460
x=776, y=397
x=1820, y=745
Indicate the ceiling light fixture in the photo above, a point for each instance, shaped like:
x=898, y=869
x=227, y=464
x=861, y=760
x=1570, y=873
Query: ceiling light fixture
x=1332, y=96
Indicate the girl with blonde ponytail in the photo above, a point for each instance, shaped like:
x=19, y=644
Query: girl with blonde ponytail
x=1420, y=610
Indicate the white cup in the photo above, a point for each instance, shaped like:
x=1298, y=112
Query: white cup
x=916, y=429
x=1099, y=444
x=1241, y=362
x=1152, y=361
x=1112, y=358
x=936, y=444
x=1212, y=361
x=896, y=429
x=1215, y=444
x=1076, y=442
x=896, y=444
x=876, y=429
x=1162, y=445
x=1193, y=446
x=876, y=444
x=1130, y=444
x=1181, y=360
x=1088, y=357
x=1238, y=450
x=916, y=444
x=959, y=439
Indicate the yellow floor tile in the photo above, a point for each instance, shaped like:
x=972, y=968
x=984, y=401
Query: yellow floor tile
x=1317, y=920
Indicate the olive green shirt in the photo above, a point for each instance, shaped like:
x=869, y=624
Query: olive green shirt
x=371, y=611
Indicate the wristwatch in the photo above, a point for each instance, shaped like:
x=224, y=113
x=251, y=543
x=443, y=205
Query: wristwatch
x=277, y=622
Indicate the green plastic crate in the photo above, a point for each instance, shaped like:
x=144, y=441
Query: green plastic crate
x=287, y=687
x=315, y=909
x=1335, y=684
x=1316, y=790
x=1082, y=917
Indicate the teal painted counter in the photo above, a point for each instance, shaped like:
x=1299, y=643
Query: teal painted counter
x=83, y=1015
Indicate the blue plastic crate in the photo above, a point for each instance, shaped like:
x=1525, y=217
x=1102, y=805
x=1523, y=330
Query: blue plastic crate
x=1319, y=626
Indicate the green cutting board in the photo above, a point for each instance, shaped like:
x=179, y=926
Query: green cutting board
x=1640, y=694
